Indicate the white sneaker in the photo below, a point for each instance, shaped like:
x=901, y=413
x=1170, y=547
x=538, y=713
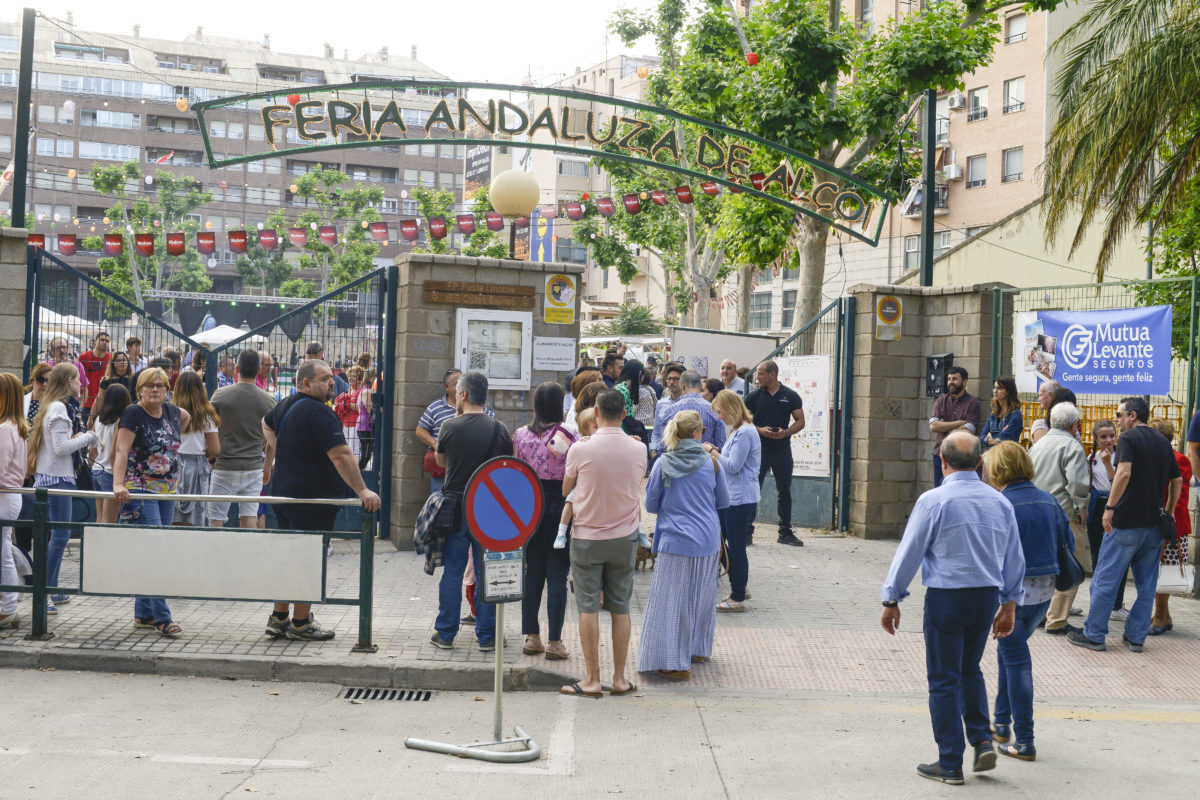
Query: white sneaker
x=1119, y=615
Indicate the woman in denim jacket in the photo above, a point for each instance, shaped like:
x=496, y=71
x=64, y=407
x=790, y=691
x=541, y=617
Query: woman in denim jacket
x=1005, y=422
x=1042, y=524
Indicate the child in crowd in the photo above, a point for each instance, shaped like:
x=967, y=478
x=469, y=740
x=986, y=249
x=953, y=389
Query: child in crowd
x=113, y=403
x=198, y=449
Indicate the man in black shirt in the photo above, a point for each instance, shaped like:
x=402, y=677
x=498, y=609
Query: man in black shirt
x=312, y=459
x=463, y=444
x=778, y=414
x=1146, y=466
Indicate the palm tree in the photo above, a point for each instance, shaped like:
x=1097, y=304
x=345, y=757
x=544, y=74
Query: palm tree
x=1127, y=140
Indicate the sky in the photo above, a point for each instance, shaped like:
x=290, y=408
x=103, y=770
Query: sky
x=472, y=40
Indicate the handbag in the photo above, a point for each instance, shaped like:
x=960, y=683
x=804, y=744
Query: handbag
x=83, y=473
x=634, y=427
x=1070, y=571
x=430, y=465
x=1166, y=527
x=1175, y=579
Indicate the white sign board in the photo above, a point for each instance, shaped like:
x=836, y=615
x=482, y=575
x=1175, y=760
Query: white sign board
x=503, y=579
x=555, y=354
x=185, y=562
x=809, y=377
x=497, y=343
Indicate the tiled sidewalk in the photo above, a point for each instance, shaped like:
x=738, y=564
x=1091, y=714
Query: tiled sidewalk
x=813, y=624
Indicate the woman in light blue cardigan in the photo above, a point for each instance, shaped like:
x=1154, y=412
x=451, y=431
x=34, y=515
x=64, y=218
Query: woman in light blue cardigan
x=739, y=461
x=686, y=490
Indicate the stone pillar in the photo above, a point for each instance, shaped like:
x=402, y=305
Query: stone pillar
x=425, y=350
x=13, y=277
x=891, y=446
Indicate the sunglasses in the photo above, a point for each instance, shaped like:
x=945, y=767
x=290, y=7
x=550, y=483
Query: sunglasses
x=39, y=380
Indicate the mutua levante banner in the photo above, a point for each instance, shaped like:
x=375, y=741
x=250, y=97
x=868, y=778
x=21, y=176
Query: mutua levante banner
x=1124, y=351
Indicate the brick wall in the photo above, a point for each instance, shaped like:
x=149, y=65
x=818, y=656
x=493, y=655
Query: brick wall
x=424, y=351
x=12, y=298
x=891, y=446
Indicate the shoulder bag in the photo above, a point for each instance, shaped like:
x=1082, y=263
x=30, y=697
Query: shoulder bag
x=1175, y=575
x=1070, y=571
x=1166, y=528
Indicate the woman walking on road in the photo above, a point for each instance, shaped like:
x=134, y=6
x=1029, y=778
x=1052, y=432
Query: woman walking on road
x=739, y=459
x=686, y=490
x=1041, y=523
x=13, y=460
x=146, y=464
x=54, y=443
x=544, y=443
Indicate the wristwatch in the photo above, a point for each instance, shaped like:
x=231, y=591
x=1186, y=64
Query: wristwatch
x=890, y=604
x=1110, y=508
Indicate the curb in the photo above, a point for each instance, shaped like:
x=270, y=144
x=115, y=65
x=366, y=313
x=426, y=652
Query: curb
x=403, y=675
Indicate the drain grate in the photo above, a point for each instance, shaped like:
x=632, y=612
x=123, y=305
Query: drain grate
x=366, y=693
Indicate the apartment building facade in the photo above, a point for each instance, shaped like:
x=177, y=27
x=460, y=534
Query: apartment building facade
x=106, y=99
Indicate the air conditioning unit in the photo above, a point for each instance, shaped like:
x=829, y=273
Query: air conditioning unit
x=952, y=172
x=956, y=101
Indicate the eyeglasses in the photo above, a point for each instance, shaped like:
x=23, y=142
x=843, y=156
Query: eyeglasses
x=39, y=380
x=158, y=387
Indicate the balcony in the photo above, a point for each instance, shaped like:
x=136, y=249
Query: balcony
x=1013, y=38
x=941, y=205
x=1013, y=106
x=977, y=113
x=943, y=130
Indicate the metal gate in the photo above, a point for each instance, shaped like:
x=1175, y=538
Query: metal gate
x=63, y=301
x=822, y=500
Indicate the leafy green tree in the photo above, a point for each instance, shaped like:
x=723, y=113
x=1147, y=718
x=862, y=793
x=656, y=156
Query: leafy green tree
x=1126, y=144
x=1175, y=251
x=266, y=268
x=298, y=287
x=351, y=209
x=820, y=88
x=435, y=203
x=174, y=198
x=631, y=320
x=483, y=243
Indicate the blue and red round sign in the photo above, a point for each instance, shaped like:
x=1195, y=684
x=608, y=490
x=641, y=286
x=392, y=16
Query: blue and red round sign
x=503, y=503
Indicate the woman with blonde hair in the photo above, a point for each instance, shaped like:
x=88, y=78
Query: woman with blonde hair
x=198, y=446
x=54, y=442
x=740, y=459
x=146, y=464
x=1043, y=526
x=13, y=460
x=687, y=490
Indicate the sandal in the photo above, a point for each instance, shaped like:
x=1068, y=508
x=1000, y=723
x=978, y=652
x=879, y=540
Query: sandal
x=168, y=628
x=573, y=690
x=1024, y=752
x=143, y=624
x=533, y=646
x=731, y=605
x=556, y=652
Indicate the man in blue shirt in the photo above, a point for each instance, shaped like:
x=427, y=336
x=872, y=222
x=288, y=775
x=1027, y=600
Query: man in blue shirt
x=690, y=400
x=963, y=536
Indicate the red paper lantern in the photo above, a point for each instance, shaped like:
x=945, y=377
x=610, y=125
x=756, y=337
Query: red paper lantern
x=752, y=59
x=495, y=222
x=683, y=194
x=466, y=223
x=293, y=99
x=584, y=196
x=574, y=210
x=659, y=197
x=379, y=231
x=633, y=203
x=268, y=239
x=409, y=230
x=298, y=236
x=710, y=188
x=437, y=227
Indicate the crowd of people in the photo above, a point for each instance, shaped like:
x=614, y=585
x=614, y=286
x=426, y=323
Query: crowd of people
x=995, y=541
x=144, y=430
x=703, y=448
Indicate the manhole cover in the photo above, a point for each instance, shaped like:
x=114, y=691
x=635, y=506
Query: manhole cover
x=364, y=693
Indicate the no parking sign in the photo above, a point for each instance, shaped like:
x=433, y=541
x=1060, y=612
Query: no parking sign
x=503, y=506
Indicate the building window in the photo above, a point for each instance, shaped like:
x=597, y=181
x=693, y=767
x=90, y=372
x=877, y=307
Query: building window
x=6, y=109
x=789, y=307
x=409, y=208
x=760, y=310
x=976, y=171
x=5, y=143
x=389, y=205
x=99, y=118
x=1014, y=161
x=1014, y=95
x=570, y=251
x=1014, y=29
x=572, y=169
x=65, y=148
x=975, y=230
x=941, y=243
x=429, y=151
x=977, y=104
x=45, y=147
x=912, y=252
x=106, y=151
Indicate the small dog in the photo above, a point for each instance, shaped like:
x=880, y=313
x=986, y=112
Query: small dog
x=645, y=556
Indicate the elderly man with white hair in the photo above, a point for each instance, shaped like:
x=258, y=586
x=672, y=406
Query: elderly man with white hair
x=1060, y=468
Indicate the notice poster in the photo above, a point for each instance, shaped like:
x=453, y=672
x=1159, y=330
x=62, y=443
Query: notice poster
x=1122, y=351
x=497, y=343
x=809, y=377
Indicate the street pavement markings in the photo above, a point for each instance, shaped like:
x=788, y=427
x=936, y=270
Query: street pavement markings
x=560, y=754
x=164, y=758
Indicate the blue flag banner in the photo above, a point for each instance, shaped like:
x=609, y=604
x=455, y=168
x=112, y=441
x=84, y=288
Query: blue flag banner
x=1121, y=351
x=541, y=238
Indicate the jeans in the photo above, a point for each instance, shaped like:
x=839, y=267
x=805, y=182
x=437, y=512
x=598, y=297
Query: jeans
x=779, y=463
x=937, y=470
x=155, y=513
x=956, y=624
x=735, y=524
x=545, y=566
x=1125, y=547
x=1095, y=533
x=458, y=544
x=436, y=484
x=1014, y=685
x=60, y=509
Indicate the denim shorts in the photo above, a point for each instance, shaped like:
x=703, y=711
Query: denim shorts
x=103, y=480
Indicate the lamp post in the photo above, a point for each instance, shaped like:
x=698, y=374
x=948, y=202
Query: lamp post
x=514, y=194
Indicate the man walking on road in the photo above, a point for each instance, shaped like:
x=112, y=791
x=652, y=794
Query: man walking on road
x=1146, y=467
x=953, y=410
x=963, y=536
x=463, y=444
x=605, y=471
x=778, y=415
x=241, y=469
x=1060, y=468
x=312, y=459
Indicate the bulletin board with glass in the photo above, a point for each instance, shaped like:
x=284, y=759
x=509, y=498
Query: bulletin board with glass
x=497, y=343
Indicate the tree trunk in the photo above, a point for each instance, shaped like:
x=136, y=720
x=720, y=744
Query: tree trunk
x=810, y=239
x=745, y=285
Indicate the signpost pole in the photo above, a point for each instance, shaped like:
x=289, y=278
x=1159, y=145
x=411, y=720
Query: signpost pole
x=498, y=689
